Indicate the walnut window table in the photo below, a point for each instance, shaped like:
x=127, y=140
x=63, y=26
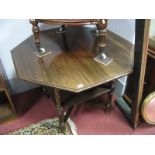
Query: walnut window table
x=73, y=69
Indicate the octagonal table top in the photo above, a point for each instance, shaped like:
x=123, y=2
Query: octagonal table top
x=71, y=65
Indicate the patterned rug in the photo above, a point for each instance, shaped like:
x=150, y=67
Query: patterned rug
x=46, y=127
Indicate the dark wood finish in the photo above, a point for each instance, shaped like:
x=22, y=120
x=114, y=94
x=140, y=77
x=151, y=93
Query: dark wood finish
x=88, y=95
x=68, y=113
x=135, y=81
x=69, y=100
x=110, y=95
x=36, y=31
x=59, y=109
x=141, y=46
x=81, y=97
x=75, y=69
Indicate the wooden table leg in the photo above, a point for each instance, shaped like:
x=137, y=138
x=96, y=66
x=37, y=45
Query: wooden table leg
x=59, y=110
x=110, y=95
x=101, y=29
x=36, y=32
x=68, y=114
x=102, y=24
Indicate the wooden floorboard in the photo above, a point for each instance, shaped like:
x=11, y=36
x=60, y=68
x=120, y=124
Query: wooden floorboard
x=6, y=114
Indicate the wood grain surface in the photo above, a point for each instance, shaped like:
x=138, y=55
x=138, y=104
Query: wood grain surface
x=71, y=65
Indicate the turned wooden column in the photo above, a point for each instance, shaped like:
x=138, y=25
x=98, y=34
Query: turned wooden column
x=110, y=95
x=102, y=24
x=59, y=109
x=101, y=35
x=36, y=32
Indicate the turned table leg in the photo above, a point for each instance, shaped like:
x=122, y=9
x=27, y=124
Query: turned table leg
x=110, y=95
x=101, y=33
x=102, y=25
x=59, y=109
x=68, y=114
x=36, y=32
x=101, y=30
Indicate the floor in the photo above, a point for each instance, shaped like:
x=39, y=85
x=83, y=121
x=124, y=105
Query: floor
x=6, y=112
x=89, y=120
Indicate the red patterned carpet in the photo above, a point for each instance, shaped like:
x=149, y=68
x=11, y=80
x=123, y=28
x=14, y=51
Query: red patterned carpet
x=88, y=119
